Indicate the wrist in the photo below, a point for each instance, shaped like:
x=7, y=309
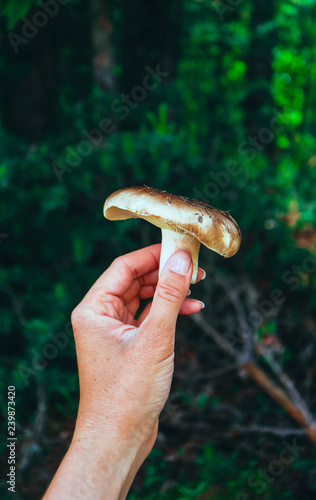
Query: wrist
x=89, y=472
x=107, y=472
x=101, y=429
x=111, y=456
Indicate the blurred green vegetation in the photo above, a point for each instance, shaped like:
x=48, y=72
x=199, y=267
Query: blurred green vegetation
x=232, y=124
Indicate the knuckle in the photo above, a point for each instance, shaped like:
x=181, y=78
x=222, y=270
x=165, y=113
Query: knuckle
x=171, y=292
x=78, y=317
x=75, y=316
x=122, y=265
x=116, y=264
x=117, y=267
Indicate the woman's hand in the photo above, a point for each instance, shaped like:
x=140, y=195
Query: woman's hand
x=125, y=365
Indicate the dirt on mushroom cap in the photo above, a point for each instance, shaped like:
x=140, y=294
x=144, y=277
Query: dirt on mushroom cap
x=214, y=228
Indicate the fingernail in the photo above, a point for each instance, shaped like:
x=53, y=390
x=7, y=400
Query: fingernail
x=189, y=292
x=180, y=262
x=203, y=275
x=203, y=305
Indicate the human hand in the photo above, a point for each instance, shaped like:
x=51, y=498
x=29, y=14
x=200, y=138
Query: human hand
x=126, y=364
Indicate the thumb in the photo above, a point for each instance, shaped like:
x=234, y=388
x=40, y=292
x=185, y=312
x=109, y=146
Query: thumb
x=172, y=289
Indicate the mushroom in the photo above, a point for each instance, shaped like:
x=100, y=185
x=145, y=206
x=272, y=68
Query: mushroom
x=184, y=223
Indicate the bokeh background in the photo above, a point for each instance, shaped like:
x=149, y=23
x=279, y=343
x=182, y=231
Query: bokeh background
x=207, y=99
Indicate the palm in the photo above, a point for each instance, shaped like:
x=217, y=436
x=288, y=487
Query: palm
x=117, y=293
x=124, y=308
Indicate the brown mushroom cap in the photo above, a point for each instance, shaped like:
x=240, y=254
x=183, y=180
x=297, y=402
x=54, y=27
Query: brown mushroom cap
x=215, y=229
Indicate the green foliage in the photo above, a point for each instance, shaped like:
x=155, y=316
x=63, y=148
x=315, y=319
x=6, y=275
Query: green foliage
x=192, y=136
x=15, y=10
x=213, y=476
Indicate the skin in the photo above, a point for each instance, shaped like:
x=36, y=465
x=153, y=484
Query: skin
x=125, y=371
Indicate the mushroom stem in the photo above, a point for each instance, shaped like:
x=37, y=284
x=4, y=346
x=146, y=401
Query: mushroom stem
x=173, y=241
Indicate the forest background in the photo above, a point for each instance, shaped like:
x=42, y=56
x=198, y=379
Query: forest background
x=213, y=100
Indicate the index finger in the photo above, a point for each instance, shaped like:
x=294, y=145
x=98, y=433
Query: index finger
x=125, y=269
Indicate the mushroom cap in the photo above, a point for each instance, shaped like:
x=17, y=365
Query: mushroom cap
x=215, y=229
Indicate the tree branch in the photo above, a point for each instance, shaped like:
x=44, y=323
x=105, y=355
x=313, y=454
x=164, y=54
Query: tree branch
x=262, y=379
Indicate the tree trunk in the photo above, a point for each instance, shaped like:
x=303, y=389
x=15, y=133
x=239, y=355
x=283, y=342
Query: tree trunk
x=148, y=35
x=102, y=46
